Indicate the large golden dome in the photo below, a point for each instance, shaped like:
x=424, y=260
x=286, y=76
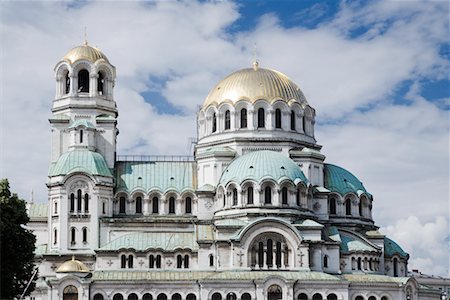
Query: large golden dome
x=84, y=51
x=72, y=266
x=253, y=84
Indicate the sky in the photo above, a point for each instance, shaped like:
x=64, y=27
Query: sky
x=377, y=73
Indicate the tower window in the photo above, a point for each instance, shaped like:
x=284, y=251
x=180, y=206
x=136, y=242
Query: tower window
x=211, y=260
x=171, y=205
x=67, y=83
x=104, y=208
x=235, y=197
x=395, y=262
x=79, y=201
x=83, y=81
x=277, y=118
x=186, y=261
x=292, y=120
x=332, y=206
x=188, y=205
x=123, y=261
x=214, y=123
x=360, y=207
x=139, y=205
x=348, y=207
x=72, y=202
x=304, y=124
x=84, y=235
x=261, y=118
x=72, y=235
x=325, y=261
x=267, y=195
x=86, y=202
x=55, y=236
x=122, y=205
x=81, y=136
x=179, y=261
x=151, y=262
x=158, y=261
x=284, y=195
x=243, y=118
x=155, y=205
x=250, y=195
x=130, y=261
x=227, y=120
x=100, y=81
x=55, y=208
x=297, y=197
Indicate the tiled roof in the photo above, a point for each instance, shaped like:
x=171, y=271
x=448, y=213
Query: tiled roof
x=342, y=181
x=391, y=248
x=80, y=161
x=259, y=165
x=142, y=241
x=37, y=210
x=151, y=175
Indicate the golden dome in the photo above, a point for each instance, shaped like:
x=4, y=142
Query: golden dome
x=253, y=84
x=84, y=52
x=73, y=266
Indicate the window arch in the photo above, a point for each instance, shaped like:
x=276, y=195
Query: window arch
x=216, y=296
x=348, y=207
x=297, y=197
x=161, y=296
x=261, y=118
x=244, y=118
x=395, y=262
x=66, y=83
x=73, y=235
x=191, y=297
x=268, y=249
x=83, y=81
x=155, y=205
x=132, y=296
x=267, y=195
x=188, y=205
x=214, y=123
x=317, y=296
x=372, y=298
x=123, y=261
x=98, y=297
x=235, y=197
x=227, y=120
x=84, y=235
x=360, y=206
x=151, y=262
x=147, y=296
x=130, y=261
x=81, y=136
x=359, y=298
x=284, y=195
x=72, y=202
x=250, y=195
x=277, y=118
x=176, y=296
x=70, y=292
x=179, y=261
x=139, y=205
x=359, y=263
x=186, y=261
x=171, y=205
x=274, y=292
x=231, y=296
x=332, y=206
x=302, y=296
x=86, y=203
x=332, y=297
x=100, y=83
x=122, y=204
x=292, y=120
x=79, y=200
x=246, y=296
x=118, y=297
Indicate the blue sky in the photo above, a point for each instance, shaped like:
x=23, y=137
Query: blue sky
x=375, y=71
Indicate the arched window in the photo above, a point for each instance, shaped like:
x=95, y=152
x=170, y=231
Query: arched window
x=176, y=296
x=250, y=195
x=55, y=236
x=274, y=292
x=359, y=263
x=171, y=205
x=72, y=202
x=81, y=136
x=297, y=197
x=155, y=204
x=86, y=203
x=284, y=195
x=261, y=118
x=139, y=205
x=348, y=207
x=161, y=296
x=372, y=298
x=360, y=206
x=235, y=197
x=79, y=200
x=186, y=261
x=332, y=206
x=211, y=260
x=100, y=81
x=277, y=118
x=261, y=254
x=72, y=235
x=224, y=200
x=395, y=262
x=147, y=297
x=98, y=297
x=214, y=123
x=118, y=297
x=216, y=296
x=191, y=297
x=267, y=195
x=151, y=262
x=103, y=208
x=384, y=298
x=158, y=261
x=67, y=83
x=304, y=123
x=278, y=254
x=325, y=261
x=302, y=296
x=132, y=296
x=123, y=261
x=246, y=296
x=130, y=261
x=359, y=298
x=332, y=297
x=231, y=296
x=188, y=205
x=55, y=208
x=179, y=261
x=243, y=118
x=292, y=120
x=122, y=205
x=83, y=81
x=317, y=296
x=269, y=253
x=84, y=235
x=70, y=292
x=353, y=263
x=227, y=120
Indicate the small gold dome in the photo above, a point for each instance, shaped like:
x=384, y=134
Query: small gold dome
x=72, y=266
x=84, y=51
x=253, y=84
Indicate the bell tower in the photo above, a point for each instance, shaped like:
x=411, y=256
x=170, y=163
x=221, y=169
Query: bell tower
x=83, y=130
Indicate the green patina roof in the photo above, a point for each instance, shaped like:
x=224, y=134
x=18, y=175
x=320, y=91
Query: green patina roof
x=82, y=122
x=333, y=233
x=36, y=211
x=259, y=165
x=365, y=278
x=391, y=248
x=80, y=161
x=208, y=276
x=342, y=181
x=143, y=241
x=160, y=175
x=351, y=244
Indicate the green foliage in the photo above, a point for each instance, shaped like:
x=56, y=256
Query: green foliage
x=17, y=245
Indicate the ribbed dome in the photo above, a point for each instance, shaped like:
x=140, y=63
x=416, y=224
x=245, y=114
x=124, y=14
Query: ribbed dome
x=253, y=84
x=72, y=266
x=84, y=52
x=259, y=165
x=341, y=181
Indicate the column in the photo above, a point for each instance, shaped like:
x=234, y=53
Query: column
x=145, y=209
x=270, y=120
x=251, y=119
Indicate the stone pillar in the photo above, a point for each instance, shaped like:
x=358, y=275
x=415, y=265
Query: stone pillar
x=270, y=119
x=251, y=119
x=145, y=208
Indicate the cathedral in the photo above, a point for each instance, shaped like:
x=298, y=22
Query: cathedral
x=255, y=213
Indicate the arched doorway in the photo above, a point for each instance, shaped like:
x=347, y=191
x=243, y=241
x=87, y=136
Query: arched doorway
x=70, y=293
x=274, y=292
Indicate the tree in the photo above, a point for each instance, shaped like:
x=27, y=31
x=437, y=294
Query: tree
x=17, y=245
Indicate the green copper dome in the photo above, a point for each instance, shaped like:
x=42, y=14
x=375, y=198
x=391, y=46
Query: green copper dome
x=391, y=248
x=341, y=181
x=80, y=161
x=261, y=165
